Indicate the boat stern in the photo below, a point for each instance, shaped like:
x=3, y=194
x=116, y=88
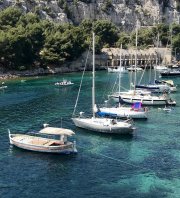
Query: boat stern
x=171, y=102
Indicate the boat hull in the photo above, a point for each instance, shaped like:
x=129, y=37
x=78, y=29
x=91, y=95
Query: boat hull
x=173, y=74
x=67, y=149
x=97, y=126
x=124, y=113
x=149, y=102
x=117, y=70
x=155, y=88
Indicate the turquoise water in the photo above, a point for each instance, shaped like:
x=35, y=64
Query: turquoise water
x=144, y=165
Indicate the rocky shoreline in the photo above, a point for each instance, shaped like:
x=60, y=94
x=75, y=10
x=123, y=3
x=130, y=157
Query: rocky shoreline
x=30, y=73
x=42, y=72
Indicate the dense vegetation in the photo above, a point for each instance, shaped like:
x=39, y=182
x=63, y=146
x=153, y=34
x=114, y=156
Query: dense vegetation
x=26, y=41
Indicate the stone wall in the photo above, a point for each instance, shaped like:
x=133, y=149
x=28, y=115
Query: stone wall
x=144, y=57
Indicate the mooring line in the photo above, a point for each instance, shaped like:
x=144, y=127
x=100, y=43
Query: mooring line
x=124, y=162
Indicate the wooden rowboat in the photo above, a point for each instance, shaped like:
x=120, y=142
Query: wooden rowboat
x=37, y=141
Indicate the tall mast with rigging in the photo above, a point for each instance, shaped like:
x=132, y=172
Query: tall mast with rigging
x=136, y=57
x=93, y=77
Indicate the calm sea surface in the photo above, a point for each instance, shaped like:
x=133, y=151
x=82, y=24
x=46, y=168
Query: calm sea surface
x=144, y=165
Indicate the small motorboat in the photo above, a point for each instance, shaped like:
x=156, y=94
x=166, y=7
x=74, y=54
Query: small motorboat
x=161, y=68
x=167, y=109
x=170, y=83
x=133, y=68
x=3, y=86
x=117, y=69
x=170, y=73
x=64, y=83
x=42, y=142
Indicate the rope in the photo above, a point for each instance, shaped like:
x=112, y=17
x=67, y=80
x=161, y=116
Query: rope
x=115, y=84
x=81, y=82
x=142, y=75
x=124, y=162
x=105, y=156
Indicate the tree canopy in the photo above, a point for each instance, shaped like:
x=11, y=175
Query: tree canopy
x=28, y=41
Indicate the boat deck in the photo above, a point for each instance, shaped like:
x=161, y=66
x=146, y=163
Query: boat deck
x=37, y=140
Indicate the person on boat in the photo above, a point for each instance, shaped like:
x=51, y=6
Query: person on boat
x=113, y=121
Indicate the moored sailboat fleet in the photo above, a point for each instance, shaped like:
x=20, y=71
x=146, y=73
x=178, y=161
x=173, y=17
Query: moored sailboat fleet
x=103, y=120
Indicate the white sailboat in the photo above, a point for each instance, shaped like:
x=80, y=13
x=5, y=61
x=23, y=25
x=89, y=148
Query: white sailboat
x=146, y=99
x=103, y=125
x=122, y=111
x=153, y=86
x=117, y=69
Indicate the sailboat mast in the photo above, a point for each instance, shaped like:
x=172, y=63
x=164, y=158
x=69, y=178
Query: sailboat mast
x=135, y=59
x=93, y=75
x=157, y=46
x=120, y=66
x=130, y=80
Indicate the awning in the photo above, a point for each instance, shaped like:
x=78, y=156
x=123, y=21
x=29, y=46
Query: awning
x=56, y=131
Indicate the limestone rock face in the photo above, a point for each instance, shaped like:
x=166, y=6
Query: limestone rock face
x=147, y=12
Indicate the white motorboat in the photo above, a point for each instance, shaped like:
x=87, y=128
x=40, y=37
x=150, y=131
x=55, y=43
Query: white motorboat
x=64, y=83
x=167, y=109
x=40, y=143
x=3, y=86
x=117, y=69
x=169, y=83
x=160, y=68
x=133, y=68
x=102, y=125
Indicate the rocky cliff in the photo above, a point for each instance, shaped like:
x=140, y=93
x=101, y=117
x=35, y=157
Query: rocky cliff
x=123, y=13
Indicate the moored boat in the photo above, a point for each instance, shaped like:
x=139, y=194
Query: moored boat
x=170, y=73
x=117, y=69
x=102, y=125
x=40, y=143
x=148, y=99
x=155, y=88
x=64, y=83
x=136, y=111
x=3, y=86
x=160, y=68
x=170, y=83
x=134, y=68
